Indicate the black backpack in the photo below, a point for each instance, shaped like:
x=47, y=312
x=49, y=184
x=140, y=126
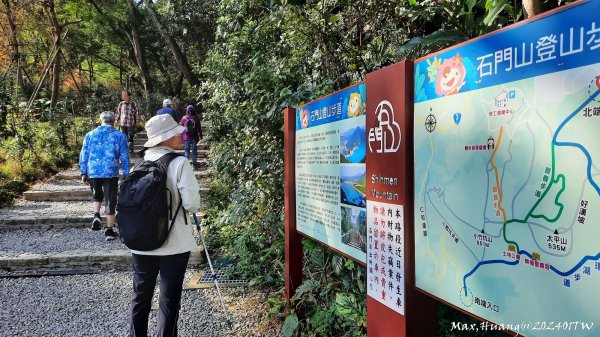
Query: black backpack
x=190, y=128
x=143, y=211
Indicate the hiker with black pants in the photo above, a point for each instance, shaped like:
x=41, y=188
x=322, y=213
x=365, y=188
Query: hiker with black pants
x=128, y=117
x=101, y=152
x=170, y=259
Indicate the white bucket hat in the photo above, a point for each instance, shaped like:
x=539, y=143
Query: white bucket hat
x=160, y=128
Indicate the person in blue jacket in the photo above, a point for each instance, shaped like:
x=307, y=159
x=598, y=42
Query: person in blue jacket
x=168, y=109
x=103, y=148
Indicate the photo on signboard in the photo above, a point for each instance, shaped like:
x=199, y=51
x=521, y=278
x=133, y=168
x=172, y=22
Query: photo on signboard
x=353, y=185
x=353, y=147
x=354, y=228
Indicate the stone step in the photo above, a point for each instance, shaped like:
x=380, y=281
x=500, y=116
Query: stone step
x=58, y=195
x=139, y=140
x=200, y=153
x=34, y=249
x=76, y=176
x=42, y=221
x=137, y=146
x=202, y=164
x=72, y=195
x=46, y=222
x=203, y=125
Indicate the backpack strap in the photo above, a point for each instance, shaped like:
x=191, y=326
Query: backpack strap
x=166, y=160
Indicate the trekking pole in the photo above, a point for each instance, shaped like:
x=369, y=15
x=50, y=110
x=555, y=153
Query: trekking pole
x=212, y=271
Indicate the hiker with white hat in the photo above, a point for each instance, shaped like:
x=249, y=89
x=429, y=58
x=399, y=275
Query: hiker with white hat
x=168, y=109
x=170, y=259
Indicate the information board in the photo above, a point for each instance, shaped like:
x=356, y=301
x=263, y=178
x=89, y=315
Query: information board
x=330, y=159
x=507, y=174
x=385, y=267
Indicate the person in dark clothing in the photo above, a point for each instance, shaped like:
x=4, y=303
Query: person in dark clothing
x=128, y=116
x=168, y=109
x=192, y=134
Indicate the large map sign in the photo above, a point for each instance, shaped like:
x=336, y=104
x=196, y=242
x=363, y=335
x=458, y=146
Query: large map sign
x=331, y=171
x=507, y=175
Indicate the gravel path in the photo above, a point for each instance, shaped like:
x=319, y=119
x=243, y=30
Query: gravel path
x=97, y=305
x=24, y=208
x=39, y=241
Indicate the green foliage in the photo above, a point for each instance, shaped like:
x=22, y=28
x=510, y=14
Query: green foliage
x=35, y=143
x=289, y=325
x=332, y=298
x=441, y=24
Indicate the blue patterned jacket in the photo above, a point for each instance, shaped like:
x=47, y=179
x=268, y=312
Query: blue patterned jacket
x=102, y=149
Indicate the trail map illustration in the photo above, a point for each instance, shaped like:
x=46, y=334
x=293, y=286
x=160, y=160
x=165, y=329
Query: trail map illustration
x=507, y=183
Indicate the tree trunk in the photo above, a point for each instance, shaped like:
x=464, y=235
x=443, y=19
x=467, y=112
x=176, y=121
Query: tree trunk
x=120, y=69
x=532, y=7
x=56, y=33
x=16, y=56
x=56, y=69
x=134, y=39
x=179, y=56
x=165, y=74
x=178, y=85
x=90, y=63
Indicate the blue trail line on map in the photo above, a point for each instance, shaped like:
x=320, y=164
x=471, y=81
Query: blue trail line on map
x=572, y=270
x=577, y=145
x=577, y=266
x=484, y=263
x=515, y=262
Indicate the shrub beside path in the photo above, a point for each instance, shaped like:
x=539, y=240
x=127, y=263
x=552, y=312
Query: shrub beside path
x=47, y=233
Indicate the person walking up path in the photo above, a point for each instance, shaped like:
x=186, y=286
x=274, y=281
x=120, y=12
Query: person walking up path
x=192, y=134
x=168, y=109
x=170, y=259
x=102, y=150
x=128, y=117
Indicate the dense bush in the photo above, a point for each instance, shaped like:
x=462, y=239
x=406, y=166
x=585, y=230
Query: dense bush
x=37, y=142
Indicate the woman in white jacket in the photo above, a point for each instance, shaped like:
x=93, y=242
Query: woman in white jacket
x=170, y=260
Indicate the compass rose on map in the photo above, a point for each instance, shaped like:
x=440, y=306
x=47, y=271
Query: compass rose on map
x=430, y=123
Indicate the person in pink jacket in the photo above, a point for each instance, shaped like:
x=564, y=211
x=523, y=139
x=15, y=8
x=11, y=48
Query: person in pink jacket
x=192, y=133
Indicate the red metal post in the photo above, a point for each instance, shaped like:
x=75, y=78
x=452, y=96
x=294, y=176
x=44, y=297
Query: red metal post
x=393, y=86
x=293, y=243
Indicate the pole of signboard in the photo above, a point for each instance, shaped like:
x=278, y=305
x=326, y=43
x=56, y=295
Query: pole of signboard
x=393, y=85
x=293, y=243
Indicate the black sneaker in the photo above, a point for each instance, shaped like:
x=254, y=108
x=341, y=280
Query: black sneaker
x=110, y=234
x=96, y=222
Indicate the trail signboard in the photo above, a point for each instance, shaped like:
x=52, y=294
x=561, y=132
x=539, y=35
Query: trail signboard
x=507, y=196
x=330, y=168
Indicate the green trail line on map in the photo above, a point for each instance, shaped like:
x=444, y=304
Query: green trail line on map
x=553, y=180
